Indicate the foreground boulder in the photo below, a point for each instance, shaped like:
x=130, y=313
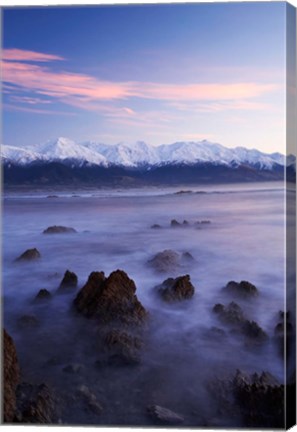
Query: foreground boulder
x=69, y=281
x=242, y=289
x=257, y=398
x=165, y=261
x=233, y=316
x=163, y=415
x=35, y=404
x=177, y=289
x=58, y=229
x=29, y=255
x=11, y=377
x=111, y=299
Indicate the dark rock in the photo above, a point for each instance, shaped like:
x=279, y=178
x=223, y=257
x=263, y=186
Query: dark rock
x=175, y=224
x=164, y=415
x=29, y=255
x=215, y=334
x=58, y=229
x=177, y=289
x=69, y=280
x=233, y=316
x=43, y=295
x=111, y=299
x=258, y=399
x=11, y=377
x=242, y=289
x=156, y=226
x=28, y=322
x=186, y=223
x=123, y=348
x=165, y=261
x=183, y=192
x=36, y=404
x=52, y=196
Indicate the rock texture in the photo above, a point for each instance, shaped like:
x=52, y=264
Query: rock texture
x=257, y=398
x=11, y=377
x=177, y=289
x=123, y=348
x=110, y=300
x=58, y=229
x=242, y=289
x=69, y=281
x=29, y=255
x=233, y=316
x=165, y=261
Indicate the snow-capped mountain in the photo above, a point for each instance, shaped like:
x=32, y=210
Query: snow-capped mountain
x=139, y=154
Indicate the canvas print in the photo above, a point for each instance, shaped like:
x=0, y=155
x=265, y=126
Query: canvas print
x=148, y=203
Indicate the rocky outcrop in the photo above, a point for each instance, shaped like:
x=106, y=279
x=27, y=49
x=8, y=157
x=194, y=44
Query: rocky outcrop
x=58, y=229
x=89, y=400
x=110, y=300
x=165, y=261
x=156, y=226
x=177, y=289
x=36, y=404
x=42, y=295
x=257, y=398
x=11, y=377
x=164, y=416
x=242, y=289
x=123, y=348
x=69, y=281
x=233, y=316
x=29, y=255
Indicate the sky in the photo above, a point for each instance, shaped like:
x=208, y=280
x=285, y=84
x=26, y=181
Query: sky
x=157, y=73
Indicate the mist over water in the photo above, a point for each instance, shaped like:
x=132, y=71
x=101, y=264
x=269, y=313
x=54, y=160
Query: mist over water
x=244, y=241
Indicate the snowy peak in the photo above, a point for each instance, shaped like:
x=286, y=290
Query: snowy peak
x=140, y=154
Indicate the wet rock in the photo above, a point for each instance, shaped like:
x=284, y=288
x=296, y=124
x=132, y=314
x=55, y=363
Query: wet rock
x=177, y=289
x=175, y=224
x=90, y=401
x=58, y=229
x=183, y=192
x=74, y=368
x=165, y=261
x=124, y=349
x=36, y=404
x=29, y=255
x=156, y=226
x=11, y=377
x=233, y=316
x=43, y=295
x=111, y=299
x=243, y=289
x=69, y=281
x=28, y=322
x=164, y=415
x=257, y=398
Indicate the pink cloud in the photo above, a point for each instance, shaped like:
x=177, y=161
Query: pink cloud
x=15, y=54
x=88, y=92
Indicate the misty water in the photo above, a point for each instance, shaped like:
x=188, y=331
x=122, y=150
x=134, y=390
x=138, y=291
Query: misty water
x=244, y=241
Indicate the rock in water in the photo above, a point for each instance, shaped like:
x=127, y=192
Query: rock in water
x=242, y=289
x=36, y=404
x=111, y=299
x=69, y=281
x=11, y=377
x=177, y=289
x=164, y=415
x=43, y=295
x=165, y=261
x=58, y=229
x=29, y=255
x=123, y=348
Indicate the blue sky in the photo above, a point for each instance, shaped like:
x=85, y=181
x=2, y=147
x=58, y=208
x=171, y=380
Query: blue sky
x=158, y=73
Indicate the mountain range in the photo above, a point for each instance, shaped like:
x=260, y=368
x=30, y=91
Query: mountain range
x=63, y=160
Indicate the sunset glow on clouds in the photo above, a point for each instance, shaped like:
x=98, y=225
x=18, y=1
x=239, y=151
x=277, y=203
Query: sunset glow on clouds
x=49, y=83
